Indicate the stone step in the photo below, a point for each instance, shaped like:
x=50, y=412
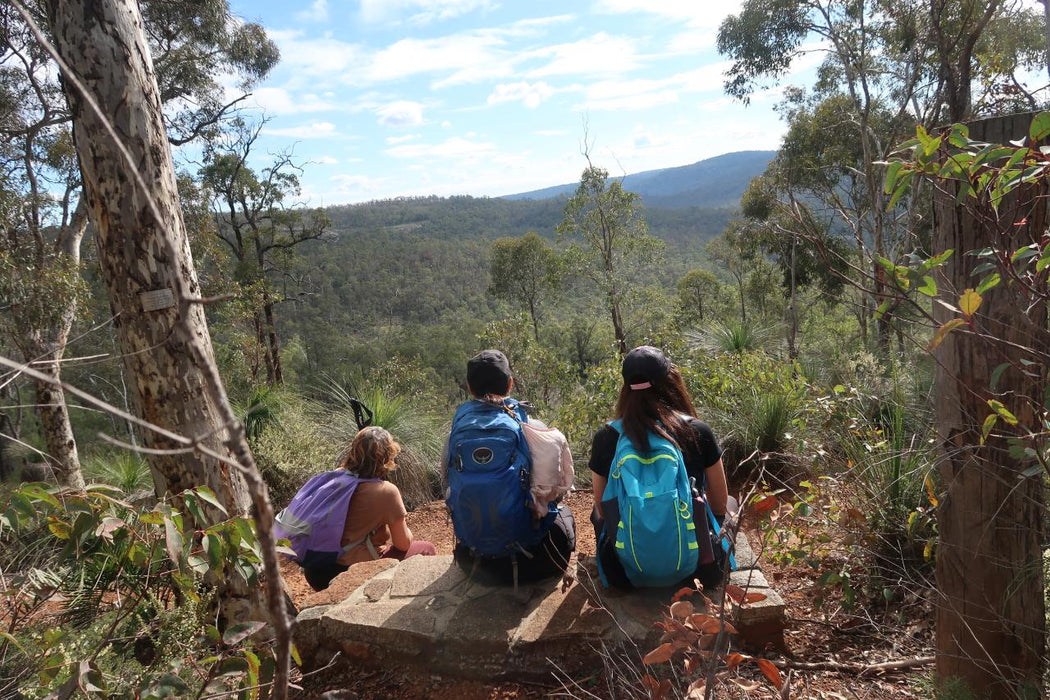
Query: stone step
x=427, y=612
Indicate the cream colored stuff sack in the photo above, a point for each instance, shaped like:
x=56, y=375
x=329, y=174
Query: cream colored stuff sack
x=552, y=471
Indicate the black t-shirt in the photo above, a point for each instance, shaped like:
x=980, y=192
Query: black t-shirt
x=698, y=457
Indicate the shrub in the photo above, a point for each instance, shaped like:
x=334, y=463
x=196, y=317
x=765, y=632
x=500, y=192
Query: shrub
x=421, y=437
x=128, y=471
x=733, y=336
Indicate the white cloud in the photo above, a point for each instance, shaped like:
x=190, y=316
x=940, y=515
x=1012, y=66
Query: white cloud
x=279, y=101
x=317, y=12
x=468, y=52
x=400, y=113
x=314, y=130
x=600, y=54
x=394, y=140
x=696, y=14
x=325, y=160
x=455, y=148
x=418, y=11
x=529, y=94
x=316, y=56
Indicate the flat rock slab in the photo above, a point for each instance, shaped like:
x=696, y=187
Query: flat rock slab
x=426, y=611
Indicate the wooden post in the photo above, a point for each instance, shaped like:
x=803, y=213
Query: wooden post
x=990, y=609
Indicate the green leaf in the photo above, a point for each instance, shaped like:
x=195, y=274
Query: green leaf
x=943, y=332
x=241, y=631
x=1025, y=252
x=1043, y=261
x=1039, y=129
x=986, y=427
x=173, y=541
x=937, y=260
x=10, y=639
x=296, y=657
x=959, y=136
x=1034, y=470
x=997, y=374
x=209, y=496
x=929, y=286
x=892, y=173
x=1002, y=411
x=988, y=282
x=883, y=308
x=216, y=550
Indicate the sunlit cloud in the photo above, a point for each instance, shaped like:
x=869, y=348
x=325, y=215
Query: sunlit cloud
x=696, y=14
x=316, y=57
x=325, y=160
x=401, y=113
x=279, y=101
x=317, y=12
x=314, y=130
x=600, y=54
x=418, y=11
x=455, y=148
x=529, y=94
x=458, y=52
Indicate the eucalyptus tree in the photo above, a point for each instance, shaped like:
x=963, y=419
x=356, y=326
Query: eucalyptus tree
x=44, y=217
x=615, y=238
x=525, y=270
x=696, y=291
x=887, y=65
x=259, y=223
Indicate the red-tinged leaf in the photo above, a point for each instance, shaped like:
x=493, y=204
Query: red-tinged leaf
x=706, y=641
x=697, y=691
x=663, y=690
x=682, y=609
x=682, y=593
x=650, y=683
x=660, y=655
x=943, y=331
x=765, y=505
x=735, y=659
x=754, y=598
x=771, y=672
x=735, y=593
x=690, y=664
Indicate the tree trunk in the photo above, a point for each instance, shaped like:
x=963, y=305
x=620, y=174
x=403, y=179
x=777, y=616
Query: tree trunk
x=990, y=614
x=58, y=432
x=273, y=340
x=144, y=251
x=617, y=321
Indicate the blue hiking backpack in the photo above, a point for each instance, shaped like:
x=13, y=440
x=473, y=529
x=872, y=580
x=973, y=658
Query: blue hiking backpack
x=488, y=471
x=649, y=504
x=315, y=519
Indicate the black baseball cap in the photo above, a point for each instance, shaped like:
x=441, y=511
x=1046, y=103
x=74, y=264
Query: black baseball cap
x=488, y=372
x=644, y=366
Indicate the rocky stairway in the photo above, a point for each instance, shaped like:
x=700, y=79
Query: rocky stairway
x=426, y=612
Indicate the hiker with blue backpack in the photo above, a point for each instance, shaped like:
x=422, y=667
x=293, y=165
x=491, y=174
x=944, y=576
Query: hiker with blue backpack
x=350, y=514
x=502, y=534
x=659, y=486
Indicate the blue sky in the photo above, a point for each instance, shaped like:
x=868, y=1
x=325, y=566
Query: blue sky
x=387, y=98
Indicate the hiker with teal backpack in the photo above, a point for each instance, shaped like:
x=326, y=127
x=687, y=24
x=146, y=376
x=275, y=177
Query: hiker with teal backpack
x=659, y=486
x=501, y=533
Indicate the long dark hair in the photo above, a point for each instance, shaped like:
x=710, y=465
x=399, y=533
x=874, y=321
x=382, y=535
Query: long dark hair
x=659, y=408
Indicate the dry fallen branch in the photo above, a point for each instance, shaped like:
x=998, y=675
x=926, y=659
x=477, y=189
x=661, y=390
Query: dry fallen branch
x=856, y=668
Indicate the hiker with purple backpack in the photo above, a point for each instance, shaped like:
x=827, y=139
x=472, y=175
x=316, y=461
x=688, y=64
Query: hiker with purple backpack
x=351, y=514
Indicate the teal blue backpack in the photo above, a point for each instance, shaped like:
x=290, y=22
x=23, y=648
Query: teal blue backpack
x=649, y=501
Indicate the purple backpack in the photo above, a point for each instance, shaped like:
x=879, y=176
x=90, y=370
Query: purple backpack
x=316, y=517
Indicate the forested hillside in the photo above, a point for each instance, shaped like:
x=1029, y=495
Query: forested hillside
x=862, y=320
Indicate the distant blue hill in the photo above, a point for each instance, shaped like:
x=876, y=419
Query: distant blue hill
x=712, y=183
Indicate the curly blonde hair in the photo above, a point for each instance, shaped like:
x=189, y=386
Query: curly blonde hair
x=372, y=453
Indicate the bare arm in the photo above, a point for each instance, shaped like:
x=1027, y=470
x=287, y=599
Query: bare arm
x=716, y=487
x=400, y=534
x=598, y=488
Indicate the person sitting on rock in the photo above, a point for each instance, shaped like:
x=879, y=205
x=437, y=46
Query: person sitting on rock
x=654, y=408
x=499, y=532
x=376, y=525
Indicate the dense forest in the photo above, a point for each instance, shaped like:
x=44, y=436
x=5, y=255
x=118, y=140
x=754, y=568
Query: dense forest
x=865, y=329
